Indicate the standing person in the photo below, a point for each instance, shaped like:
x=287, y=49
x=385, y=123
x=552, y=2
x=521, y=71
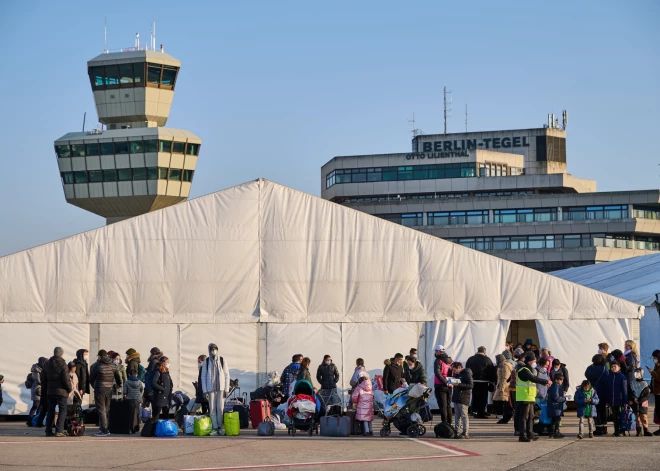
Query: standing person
x=632, y=360
x=617, y=385
x=35, y=389
x=392, y=374
x=604, y=349
x=327, y=375
x=215, y=386
x=416, y=372
x=556, y=400
x=82, y=371
x=526, y=382
x=116, y=360
x=655, y=383
x=103, y=376
x=357, y=372
x=303, y=372
x=442, y=370
x=586, y=399
x=412, y=353
x=597, y=374
x=535, y=350
x=501, y=395
x=639, y=396
x=153, y=363
x=558, y=368
x=133, y=362
x=133, y=390
x=290, y=374
x=363, y=398
x=75, y=399
x=542, y=373
x=58, y=389
x=461, y=398
x=482, y=373
x=162, y=387
x=545, y=353
x=199, y=399
x=527, y=347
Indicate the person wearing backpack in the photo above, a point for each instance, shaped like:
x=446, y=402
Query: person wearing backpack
x=35, y=387
x=215, y=387
x=617, y=397
x=441, y=389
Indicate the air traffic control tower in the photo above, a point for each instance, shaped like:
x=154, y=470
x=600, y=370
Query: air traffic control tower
x=135, y=165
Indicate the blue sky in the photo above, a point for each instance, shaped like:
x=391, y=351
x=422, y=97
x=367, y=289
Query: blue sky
x=275, y=89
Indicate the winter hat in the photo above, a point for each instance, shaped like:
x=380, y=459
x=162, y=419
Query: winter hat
x=506, y=354
x=518, y=352
x=102, y=353
x=499, y=359
x=528, y=341
x=130, y=351
x=439, y=348
x=58, y=352
x=212, y=346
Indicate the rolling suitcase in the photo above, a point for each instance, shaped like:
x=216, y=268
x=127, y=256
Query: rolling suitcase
x=119, y=417
x=243, y=414
x=356, y=425
x=259, y=411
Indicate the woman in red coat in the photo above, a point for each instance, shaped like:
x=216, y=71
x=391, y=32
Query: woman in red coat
x=363, y=397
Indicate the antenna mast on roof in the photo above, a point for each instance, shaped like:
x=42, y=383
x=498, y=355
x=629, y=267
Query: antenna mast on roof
x=466, y=117
x=105, y=34
x=445, y=92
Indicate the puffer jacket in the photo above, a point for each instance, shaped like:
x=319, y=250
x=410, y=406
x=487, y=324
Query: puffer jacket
x=133, y=389
x=103, y=374
x=439, y=380
x=58, y=382
x=327, y=376
x=562, y=371
x=617, y=389
x=581, y=401
x=461, y=392
x=162, y=387
x=35, y=390
x=82, y=371
x=356, y=375
x=556, y=400
x=417, y=374
x=363, y=398
x=502, y=388
x=632, y=362
x=303, y=373
x=542, y=389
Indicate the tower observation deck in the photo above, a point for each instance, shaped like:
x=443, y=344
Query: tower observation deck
x=135, y=165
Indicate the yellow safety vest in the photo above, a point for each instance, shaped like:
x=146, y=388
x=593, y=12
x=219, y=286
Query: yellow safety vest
x=525, y=390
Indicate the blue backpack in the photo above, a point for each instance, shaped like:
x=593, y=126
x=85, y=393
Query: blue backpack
x=142, y=373
x=628, y=419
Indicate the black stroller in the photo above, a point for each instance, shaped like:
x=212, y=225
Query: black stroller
x=307, y=421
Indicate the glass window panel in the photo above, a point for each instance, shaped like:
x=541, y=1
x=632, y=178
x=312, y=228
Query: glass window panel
x=80, y=177
x=187, y=175
x=107, y=148
x=175, y=174
x=92, y=149
x=169, y=75
x=95, y=176
x=359, y=177
x=164, y=146
x=63, y=151
x=138, y=70
x=77, y=150
x=126, y=73
x=152, y=173
x=125, y=174
x=139, y=173
x=137, y=147
x=153, y=73
x=192, y=149
x=162, y=173
x=151, y=145
x=112, y=75
x=110, y=175
x=452, y=173
x=97, y=75
x=374, y=177
x=420, y=173
x=121, y=147
x=178, y=147
x=389, y=175
x=67, y=177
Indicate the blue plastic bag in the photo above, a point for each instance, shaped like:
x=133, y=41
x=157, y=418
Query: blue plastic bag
x=166, y=428
x=544, y=419
x=34, y=420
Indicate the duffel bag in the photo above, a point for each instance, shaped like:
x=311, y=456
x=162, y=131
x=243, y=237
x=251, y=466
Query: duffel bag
x=266, y=428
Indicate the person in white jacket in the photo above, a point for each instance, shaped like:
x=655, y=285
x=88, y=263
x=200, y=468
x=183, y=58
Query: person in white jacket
x=215, y=387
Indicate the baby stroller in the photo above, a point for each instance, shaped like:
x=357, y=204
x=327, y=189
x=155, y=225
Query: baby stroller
x=403, y=410
x=304, y=408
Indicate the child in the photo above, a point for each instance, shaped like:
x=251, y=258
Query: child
x=133, y=390
x=640, y=402
x=460, y=396
x=617, y=390
x=556, y=402
x=363, y=398
x=586, y=400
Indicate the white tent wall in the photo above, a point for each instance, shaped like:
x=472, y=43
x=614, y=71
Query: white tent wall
x=576, y=342
x=21, y=346
x=649, y=328
x=461, y=340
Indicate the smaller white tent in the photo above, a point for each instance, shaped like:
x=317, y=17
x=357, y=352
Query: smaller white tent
x=635, y=279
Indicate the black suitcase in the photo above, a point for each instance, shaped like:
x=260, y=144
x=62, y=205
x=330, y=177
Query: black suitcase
x=149, y=428
x=119, y=417
x=243, y=414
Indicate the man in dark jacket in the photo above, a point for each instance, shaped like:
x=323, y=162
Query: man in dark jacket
x=526, y=382
x=461, y=398
x=82, y=371
x=392, y=374
x=483, y=371
x=415, y=372
x=153, y=362
x=290, y=373
x=327, y=375
x=58, y=389
x=558, y=368
x=597, y=374
x=103, y=376
x=441, y=370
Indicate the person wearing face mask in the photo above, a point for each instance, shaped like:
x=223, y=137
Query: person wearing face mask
x=526, y=382
x=82, y=371
x=214, y=379
x=116, y=360
x=442, y=391
x=327, y=375
x=655, y=384
x=103, y=376
x=392, y=374
x=639, y=402
x=558, y=368
x=632, y=360
x=416, y=374
x=162, y=387
x=199, y=400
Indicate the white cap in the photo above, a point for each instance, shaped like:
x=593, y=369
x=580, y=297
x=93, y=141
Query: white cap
x=439, y=348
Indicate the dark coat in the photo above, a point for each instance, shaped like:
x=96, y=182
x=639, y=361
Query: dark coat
x=617, y=389
x=104, y=375
x=417, y=374
x=327, y=375
x=556, y=400
x=303, y=373
x=82, y=371
x=162, y=388
x=597, y=376
x=461, y=392
x=564, y=372
x=632, y=362
x=133, y=362
x=199, y=394
x=392, y=374
x=581, y=401
x=443, y=358
x=482, y=367
x=57, y=378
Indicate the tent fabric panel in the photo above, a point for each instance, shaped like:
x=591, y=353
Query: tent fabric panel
x=649, y=330
x=574, y=343
x=29, y=342
x=237, y=344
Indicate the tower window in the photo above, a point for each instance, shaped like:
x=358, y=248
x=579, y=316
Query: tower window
x=152, y=173
x=153, y=74
x=110, y=175
x=92, y=149
x=188, y=175
x=162, y=173
x=95, y=176
x=80, y=177
x=125, y=174
x=139, y=174
x=111, y=76
x=63, y=151
x=175, y=174
x=151, y=145
x=67, y=178
x=169, y=76
x=164, y=146
x=192, y=149
x=137, y=147
x=77, y=150
x=126, y=74
x=107, y=148
x=177, y=147
x=121, y=147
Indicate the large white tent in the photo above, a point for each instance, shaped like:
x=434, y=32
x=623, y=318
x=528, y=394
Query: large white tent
x=635, y=279
x=266, y=272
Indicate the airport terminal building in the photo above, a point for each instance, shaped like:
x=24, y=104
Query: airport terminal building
x=506, y=193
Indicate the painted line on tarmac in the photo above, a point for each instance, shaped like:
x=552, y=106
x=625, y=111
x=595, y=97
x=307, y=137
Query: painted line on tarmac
x=451, y=449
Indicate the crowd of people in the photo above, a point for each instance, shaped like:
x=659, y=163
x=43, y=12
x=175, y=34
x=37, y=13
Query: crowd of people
x=522, y=380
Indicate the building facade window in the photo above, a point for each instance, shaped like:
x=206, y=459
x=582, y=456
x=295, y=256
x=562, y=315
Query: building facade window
x=457, y=217
x=405, y=219
x=505, y=216
x=646, y=212
x=129, y=75
x=128, y=174
x=402, y=173
x=63, y=151
x=580, y=213
x=531, y=242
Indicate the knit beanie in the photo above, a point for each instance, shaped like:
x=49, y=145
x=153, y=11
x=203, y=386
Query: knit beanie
x=58, y=352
